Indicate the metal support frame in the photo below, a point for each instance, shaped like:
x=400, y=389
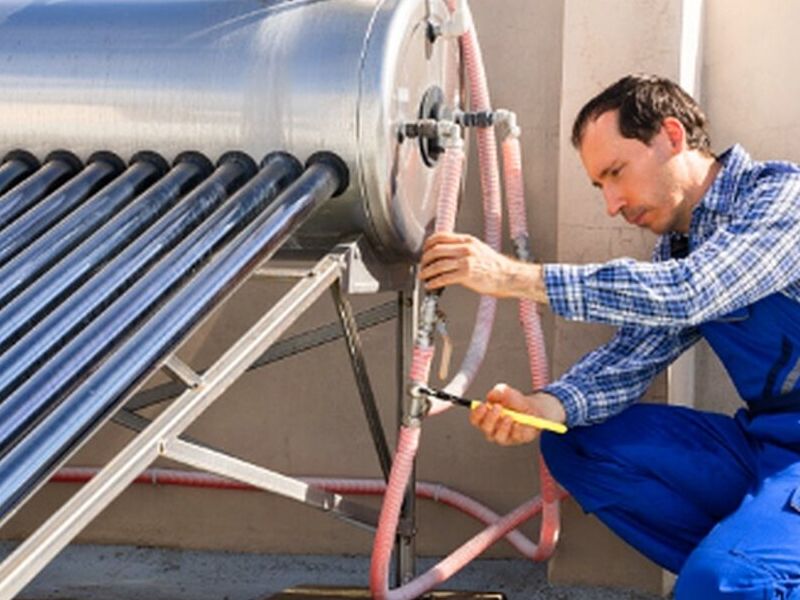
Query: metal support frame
x=362, y=379
x=290, y=346
x=405, y=545
x=164, y=435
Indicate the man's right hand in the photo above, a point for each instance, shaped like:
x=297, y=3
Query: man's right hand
x=503, y=430
x=457, y=258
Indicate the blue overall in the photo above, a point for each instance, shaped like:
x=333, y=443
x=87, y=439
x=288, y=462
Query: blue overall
x=711, y=497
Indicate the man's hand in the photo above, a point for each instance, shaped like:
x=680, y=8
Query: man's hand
x=453, y=258
x=505, y=431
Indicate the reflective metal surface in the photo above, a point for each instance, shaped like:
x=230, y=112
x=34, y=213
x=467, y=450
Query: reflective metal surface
x=47, y=212
x=89, y=395
x=32, y=189
x=50, y=247
x=20, y=314
x=199, y=238
x=251, y=75
x=55, y=328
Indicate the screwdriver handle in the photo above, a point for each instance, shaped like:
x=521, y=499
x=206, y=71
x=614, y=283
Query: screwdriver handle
x=530, y=420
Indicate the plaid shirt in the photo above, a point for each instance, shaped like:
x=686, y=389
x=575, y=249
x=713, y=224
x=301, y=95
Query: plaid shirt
x=743, y=244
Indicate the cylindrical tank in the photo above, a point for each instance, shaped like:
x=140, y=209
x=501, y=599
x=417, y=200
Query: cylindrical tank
x=250, y=75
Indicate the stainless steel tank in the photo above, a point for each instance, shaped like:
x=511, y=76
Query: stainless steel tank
x=250, y=75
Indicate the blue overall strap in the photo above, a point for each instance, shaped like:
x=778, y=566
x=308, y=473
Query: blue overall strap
x=760, y=348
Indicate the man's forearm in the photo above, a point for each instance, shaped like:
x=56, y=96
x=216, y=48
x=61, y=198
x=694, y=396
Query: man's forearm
x=525, y=280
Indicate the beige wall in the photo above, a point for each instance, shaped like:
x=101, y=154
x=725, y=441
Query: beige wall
x=602, y=42
x=302, y=415
x=750, y=94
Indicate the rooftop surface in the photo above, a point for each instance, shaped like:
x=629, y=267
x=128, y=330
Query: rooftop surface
x=131, y=573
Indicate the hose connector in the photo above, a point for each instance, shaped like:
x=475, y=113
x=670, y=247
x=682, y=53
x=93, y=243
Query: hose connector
x=522, y=248
x=459, y=23
x=445, y=132
x=482, y=119
x=428, y=317
x=506, y=122
x=419, y=406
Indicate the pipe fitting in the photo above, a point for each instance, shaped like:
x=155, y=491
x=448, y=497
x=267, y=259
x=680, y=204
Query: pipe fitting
x=459, y=23
x=418, y=407
x=445, y=131
x=425, y=128
x=427, y=320
x=449, y=132
x=506, y=121
x=522, y=248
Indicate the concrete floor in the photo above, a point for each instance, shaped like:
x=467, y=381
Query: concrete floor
x=128, y=573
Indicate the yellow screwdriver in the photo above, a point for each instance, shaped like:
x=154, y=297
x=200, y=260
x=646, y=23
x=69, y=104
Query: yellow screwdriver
x=518, y=417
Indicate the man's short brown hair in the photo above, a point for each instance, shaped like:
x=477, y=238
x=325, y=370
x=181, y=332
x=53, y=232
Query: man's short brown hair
x=643, y=102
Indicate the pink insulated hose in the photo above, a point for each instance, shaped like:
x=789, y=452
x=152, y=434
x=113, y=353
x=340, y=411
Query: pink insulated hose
x=409, y=435
x=434, y=492
x=534, y=340
x=492, y=203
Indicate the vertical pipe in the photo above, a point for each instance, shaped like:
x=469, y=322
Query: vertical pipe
x=407, y=315
x=59, y=166
x=72, y=357
x=16, y=166
x=67, y=319
x=73, y=229
x=103, y=388
x=101, y=167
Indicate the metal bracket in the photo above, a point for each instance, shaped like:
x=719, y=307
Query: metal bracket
x=234, y=468
x=282, y=273
x=181, y=372
x=361, y=375
x=364, y=274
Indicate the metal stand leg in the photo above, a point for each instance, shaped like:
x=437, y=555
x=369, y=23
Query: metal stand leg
x=362, y=378
x=405, y=546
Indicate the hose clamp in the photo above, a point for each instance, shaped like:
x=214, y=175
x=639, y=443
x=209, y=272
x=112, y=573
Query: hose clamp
x=428, y=316
x=450, y=134
x=419, y=406
x=459, y=23
x=506, y=121
x=522, y=248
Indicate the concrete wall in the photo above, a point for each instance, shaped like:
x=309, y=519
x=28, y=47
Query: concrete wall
x=597, y=52
x=750, y=98
x=302, y=415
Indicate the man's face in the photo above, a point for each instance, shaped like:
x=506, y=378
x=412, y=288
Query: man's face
x=638, y=180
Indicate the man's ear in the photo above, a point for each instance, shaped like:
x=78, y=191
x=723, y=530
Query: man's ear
x=675, y=132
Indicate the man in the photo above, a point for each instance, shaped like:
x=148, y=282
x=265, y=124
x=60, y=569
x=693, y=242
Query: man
x=712, y=497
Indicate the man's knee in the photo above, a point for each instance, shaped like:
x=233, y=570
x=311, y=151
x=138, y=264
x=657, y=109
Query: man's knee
x=725, y=575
